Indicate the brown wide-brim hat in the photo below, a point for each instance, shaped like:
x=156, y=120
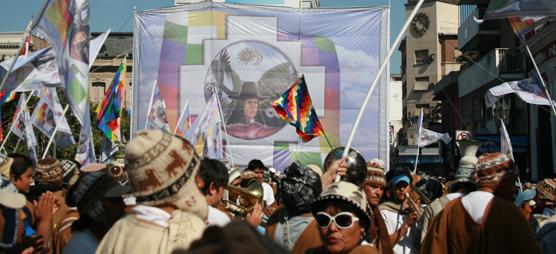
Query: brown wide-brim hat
x=248, y=91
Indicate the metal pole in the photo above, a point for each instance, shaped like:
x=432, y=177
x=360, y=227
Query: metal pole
x=377, y=77
x=181, y=116
x=53, y=134
x=541, y=79
x=224, y=126
x=25, y=35
x=16, y=119
x=150, y=105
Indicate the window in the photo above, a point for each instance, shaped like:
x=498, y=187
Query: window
x=421, y=84
x=421, y=57
x=97, y=92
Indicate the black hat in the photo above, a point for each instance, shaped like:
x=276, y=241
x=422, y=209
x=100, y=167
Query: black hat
x=248, y=91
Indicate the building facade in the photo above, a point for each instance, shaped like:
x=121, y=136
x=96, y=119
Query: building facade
x=429, y=53
x=117, y=46
x=9, y=44
x=492, y=54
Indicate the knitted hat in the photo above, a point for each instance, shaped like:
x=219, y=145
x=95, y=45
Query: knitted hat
x=492, y=166
x=5, y=165
x=547, y=189
x=375, y=172
x=87, y=193
x=70, y=171
x=162, y=169
x=48, y=171
x=299, y=188
x=347, y=193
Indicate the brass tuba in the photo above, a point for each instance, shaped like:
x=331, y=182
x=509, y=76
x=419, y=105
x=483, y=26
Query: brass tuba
x=241, y=201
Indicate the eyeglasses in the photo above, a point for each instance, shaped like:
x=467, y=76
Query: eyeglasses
x=343, y=220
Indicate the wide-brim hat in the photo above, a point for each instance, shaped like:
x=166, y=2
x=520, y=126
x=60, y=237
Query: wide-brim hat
x=248, y=91
x=347, y=193
x=5, y=165
x=11, y=199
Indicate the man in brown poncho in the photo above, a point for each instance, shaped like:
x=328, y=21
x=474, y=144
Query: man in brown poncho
x=484, y=221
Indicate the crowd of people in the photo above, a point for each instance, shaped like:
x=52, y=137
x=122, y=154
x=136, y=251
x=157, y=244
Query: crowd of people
x=167, y=199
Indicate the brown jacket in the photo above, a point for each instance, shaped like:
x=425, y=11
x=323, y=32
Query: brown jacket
x=61, y=223
x=503, y=230
x=309, y=239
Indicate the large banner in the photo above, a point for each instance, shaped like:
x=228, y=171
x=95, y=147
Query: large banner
x=250, y=55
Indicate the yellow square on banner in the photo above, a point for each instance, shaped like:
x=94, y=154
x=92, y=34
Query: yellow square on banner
x=216, y=19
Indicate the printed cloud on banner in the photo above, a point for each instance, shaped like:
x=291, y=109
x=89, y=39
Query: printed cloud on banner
x=250, y=55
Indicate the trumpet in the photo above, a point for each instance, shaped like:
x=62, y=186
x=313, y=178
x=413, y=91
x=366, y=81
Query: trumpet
x=241, y=201
x=413, y=205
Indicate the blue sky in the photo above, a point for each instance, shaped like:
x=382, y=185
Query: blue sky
x=117, y=15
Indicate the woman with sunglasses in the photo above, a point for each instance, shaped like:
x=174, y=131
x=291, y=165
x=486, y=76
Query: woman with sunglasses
x=342, y=219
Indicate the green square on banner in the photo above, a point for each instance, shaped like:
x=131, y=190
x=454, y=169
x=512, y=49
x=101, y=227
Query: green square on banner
x=325, y=44
x=175, y=32
x=307, y=158
x=194, y=54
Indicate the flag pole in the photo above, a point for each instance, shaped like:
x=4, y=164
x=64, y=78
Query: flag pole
x=150, y=105
x=416, y=159
x=541, y=79
x=181, y=116
x=327, y=140
x=224, y=126
x=383, y=66
x=15, y=120
x=420, y=125
x=17, y=144
x=53, y=134
x=21, y=44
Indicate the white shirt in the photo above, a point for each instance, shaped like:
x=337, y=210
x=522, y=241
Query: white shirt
x=393, y=222
x=296, y=226
x=452, y=196
x=152, y=214
x=475, y=204
x=217, y=217
x=268, y=194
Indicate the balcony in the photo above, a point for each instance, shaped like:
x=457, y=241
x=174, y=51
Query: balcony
x=500, y=63
x=470, y=33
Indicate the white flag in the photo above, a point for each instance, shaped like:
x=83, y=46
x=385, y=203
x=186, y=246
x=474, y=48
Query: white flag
x=214, y=146
x=427, y=137
x=23, y=127
x=208, y=118
x=17, y=123
x=529, y=90
x=49, y=113
x=156, y=118
x=95, y=46
x=505, y=142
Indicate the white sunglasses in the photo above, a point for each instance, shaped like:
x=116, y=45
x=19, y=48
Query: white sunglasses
x=343, y=220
